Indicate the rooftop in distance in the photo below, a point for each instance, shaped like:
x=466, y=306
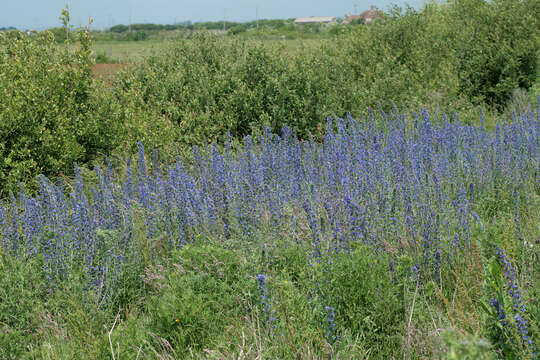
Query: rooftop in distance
x=367, y=16
x=314, y=19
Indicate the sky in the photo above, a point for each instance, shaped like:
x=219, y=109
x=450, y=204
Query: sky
x=41, y=14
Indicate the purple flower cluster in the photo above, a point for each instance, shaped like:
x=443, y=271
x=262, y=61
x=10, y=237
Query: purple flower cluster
x=518, y=306
x=331, y=320
x=367, y=182
x=499, y=310
x=265, y=301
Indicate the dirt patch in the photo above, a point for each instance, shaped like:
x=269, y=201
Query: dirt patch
x=106, y=71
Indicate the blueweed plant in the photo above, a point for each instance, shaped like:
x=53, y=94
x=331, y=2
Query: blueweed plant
x=511, y=316
x=265, y=301
x=363, y=183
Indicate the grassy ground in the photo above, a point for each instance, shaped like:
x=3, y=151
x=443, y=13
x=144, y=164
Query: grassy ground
x=132, y=51
x=128, y=51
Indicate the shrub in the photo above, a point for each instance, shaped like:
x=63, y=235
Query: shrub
x=137, y=36
x=450, y=54
x=103, y=58
x=406, y=60
x=52, y=114
x=496, y=47
x=207, y=86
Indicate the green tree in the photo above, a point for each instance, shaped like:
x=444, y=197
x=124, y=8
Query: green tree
x=51, y=113
x=497, y=46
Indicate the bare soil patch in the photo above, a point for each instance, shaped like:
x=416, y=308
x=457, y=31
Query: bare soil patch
x=106, y=71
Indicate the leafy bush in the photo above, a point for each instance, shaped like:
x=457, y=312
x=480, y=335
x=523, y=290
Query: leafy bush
x=103, y=58
x=406, y=60
x=235, y=30
x=496, y=47
x=447, y=54
x=60, y=34
x=137, y=36
x=207, y=86
x=52, y=113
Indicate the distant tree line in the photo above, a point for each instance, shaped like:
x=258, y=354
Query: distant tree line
x=7, y=28
x=210, y=25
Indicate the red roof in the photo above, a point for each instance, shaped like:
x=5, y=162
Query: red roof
x=368, y=15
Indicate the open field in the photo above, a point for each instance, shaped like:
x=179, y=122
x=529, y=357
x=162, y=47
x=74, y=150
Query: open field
x=132, y=51
x=129, y=51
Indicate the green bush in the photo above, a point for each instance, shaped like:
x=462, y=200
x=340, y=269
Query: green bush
x=237, y=29
x=447, y=55
x=405, y=60
x=52, y=113
x=60, y=34
x=103, y=58
x=207, y=86
x=137, y=36
x=496, y=47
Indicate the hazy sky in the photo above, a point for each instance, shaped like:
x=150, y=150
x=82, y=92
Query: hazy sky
x=39, y=14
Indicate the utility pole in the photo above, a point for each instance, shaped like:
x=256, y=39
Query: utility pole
x=224, y=14
x=355, y=9
x=257, y=15
x=130, y=14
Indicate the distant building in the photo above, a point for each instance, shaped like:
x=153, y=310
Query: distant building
x=367, y=16
x=315, y=20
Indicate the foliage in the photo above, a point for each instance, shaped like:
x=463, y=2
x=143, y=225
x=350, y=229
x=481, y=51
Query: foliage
x=497, y=43
x=22, y=293
x=365, y=299
x=206, y=87
x=137, y=36
x=52, y=114
x=450, y=51
x=409, y=59
x=401, y=235
x=103, y=58
x=60, y=34
x=467, y=347
x=195, y=296
x=507, y=311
